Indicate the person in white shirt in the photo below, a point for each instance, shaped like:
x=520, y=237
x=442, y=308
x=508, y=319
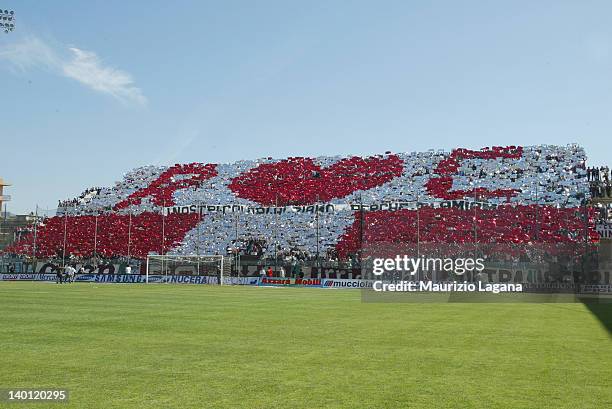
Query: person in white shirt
x=69, y=271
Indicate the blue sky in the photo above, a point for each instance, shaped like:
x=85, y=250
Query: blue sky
x=93, y=89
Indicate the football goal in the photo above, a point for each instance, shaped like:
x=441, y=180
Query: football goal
x=164, y=267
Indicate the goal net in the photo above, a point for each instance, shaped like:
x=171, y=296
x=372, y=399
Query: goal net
x=215, y=268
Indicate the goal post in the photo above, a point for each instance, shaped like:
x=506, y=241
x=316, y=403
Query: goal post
x=193, y=265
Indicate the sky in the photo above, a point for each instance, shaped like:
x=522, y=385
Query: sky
x=94, y=89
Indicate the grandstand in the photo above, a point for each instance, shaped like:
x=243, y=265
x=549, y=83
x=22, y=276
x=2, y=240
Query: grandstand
x=326, y=207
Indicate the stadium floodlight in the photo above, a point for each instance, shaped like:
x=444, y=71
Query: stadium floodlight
x=7, y=20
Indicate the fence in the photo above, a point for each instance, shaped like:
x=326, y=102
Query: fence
x=266, y=240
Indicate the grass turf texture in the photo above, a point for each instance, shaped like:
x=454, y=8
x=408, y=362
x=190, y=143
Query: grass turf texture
x=181, y=346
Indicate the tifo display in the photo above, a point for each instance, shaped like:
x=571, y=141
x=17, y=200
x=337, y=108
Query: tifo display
x=331, y=207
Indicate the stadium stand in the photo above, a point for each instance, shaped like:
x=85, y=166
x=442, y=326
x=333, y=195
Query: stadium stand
x=176, y=209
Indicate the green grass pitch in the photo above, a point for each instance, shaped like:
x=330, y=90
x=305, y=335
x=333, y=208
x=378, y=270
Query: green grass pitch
x=181, y=346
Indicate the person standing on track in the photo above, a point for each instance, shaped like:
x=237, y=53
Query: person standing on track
x=70, y=274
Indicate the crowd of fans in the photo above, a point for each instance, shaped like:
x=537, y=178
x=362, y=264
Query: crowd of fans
x=108, y=235
x=21, y=233
x=513, y=181
x=511, y=225
x=83, y=198
x=600, y=184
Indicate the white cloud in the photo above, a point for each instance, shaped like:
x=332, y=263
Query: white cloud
x=87, y=68
x=30, y=52
x=80, y=65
